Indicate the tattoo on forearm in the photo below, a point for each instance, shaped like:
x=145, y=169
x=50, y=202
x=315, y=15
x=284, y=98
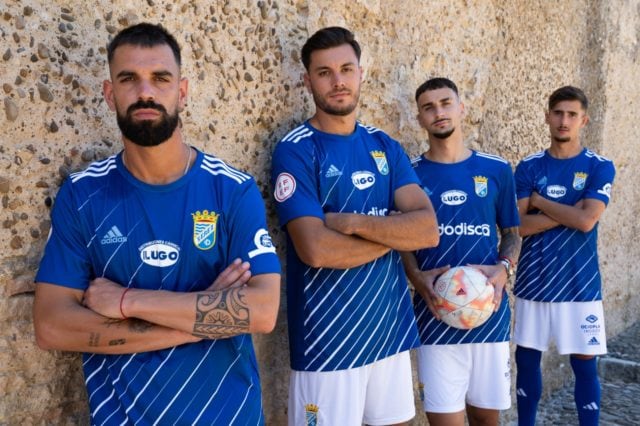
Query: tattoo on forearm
x=138, y=325
x=510, y=243
x=116, y=342
x=94, y=339
x=221, y=314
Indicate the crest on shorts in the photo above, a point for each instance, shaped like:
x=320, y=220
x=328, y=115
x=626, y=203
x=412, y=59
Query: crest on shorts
x=311, y=414
x=204, y=229
x=381, y=161
x=579, y=180
x=481, y=187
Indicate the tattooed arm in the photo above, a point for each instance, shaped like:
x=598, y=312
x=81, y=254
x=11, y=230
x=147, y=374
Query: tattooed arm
x=219, y=312
x=63, y=323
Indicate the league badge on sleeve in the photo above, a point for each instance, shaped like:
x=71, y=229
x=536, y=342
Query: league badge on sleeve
x=579, y=180
x=285, y=187
x=481, y=185
x=204, y=229
x=381, y=162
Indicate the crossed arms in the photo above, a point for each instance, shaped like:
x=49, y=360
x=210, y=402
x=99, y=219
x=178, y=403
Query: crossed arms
x=582, y=216
x=346, y=240
x=92, y=320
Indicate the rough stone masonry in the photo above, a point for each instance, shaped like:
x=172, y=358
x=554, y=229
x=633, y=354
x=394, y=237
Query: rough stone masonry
x=246, y=91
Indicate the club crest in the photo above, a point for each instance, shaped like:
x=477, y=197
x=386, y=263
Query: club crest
x=204, y=229
x=311, y=414
x=579, y=180
x=481, y=185
x=381, y=161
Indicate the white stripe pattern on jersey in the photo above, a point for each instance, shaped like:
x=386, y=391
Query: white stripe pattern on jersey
x=184, y=384
x=592, y=154
x=215, y=166
x=355, y=327
x=538, y=154
x=297, y=134
x=217, y=389
x=151, y=379
x=369, y=129
x=97, y=169
x=491, y=157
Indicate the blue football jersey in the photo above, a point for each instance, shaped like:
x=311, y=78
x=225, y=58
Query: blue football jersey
x=472, y=199
x=561, y=264
x=176, y=237
x=340, y=319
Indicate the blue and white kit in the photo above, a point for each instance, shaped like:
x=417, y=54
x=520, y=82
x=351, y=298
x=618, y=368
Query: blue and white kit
x=343, y=318
x=176, y=237
x=470, y=198
x=561, y=264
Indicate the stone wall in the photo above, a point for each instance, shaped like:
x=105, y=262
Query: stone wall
x=242, y=60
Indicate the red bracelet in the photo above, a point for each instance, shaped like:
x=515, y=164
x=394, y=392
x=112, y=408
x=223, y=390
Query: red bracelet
x=124, y=317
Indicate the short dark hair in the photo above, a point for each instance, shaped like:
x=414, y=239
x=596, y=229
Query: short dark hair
x=568, y=93
x=144, y=35
x=436, y=83
x=327, y=38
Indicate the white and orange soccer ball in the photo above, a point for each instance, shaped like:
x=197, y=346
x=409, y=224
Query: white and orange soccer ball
x=465, y=299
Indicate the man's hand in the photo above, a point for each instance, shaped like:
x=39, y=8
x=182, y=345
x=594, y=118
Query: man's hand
x=497, y=277
x=235, y=275
x=423, y=281
x=103, y=297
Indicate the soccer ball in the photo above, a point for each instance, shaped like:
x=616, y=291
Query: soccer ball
x=465, y=299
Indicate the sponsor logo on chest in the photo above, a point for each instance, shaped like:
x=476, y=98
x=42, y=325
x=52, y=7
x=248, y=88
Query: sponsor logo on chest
x=556, y=191
x=159, y=253
x=363, y=179
x=453, y=197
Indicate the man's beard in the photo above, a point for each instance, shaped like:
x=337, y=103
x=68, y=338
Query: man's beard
x=562, y=139
x=324, y=106
x=148, y=132
x=445, y=134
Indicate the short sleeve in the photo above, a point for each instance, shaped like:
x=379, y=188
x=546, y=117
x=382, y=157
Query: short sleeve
x=523, y=180
x=249, y=237
x=404, y=174
x=507, y=208
x=601, y=182
x=295, y=182
x=66, y=255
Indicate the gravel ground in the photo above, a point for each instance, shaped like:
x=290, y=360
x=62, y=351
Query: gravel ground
x=620, y=380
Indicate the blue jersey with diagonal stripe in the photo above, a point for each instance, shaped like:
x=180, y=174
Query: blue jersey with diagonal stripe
x=470, y=198
x=343, y=318
x=176, y=237
x=561, y=264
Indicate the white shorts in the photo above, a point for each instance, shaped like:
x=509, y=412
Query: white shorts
x=452, y=376
x=376, y=394
x=575, y=327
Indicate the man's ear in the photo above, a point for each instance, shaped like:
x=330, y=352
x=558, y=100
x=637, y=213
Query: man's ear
x=585, y=120
x=307, y=81
x=107, y=91
x=183, y=93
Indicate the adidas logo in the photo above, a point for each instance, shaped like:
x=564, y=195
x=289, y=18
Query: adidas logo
x=592, y=406
x=593, y=341
x=113, y=236
x=521, y=392
x=333, y=172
